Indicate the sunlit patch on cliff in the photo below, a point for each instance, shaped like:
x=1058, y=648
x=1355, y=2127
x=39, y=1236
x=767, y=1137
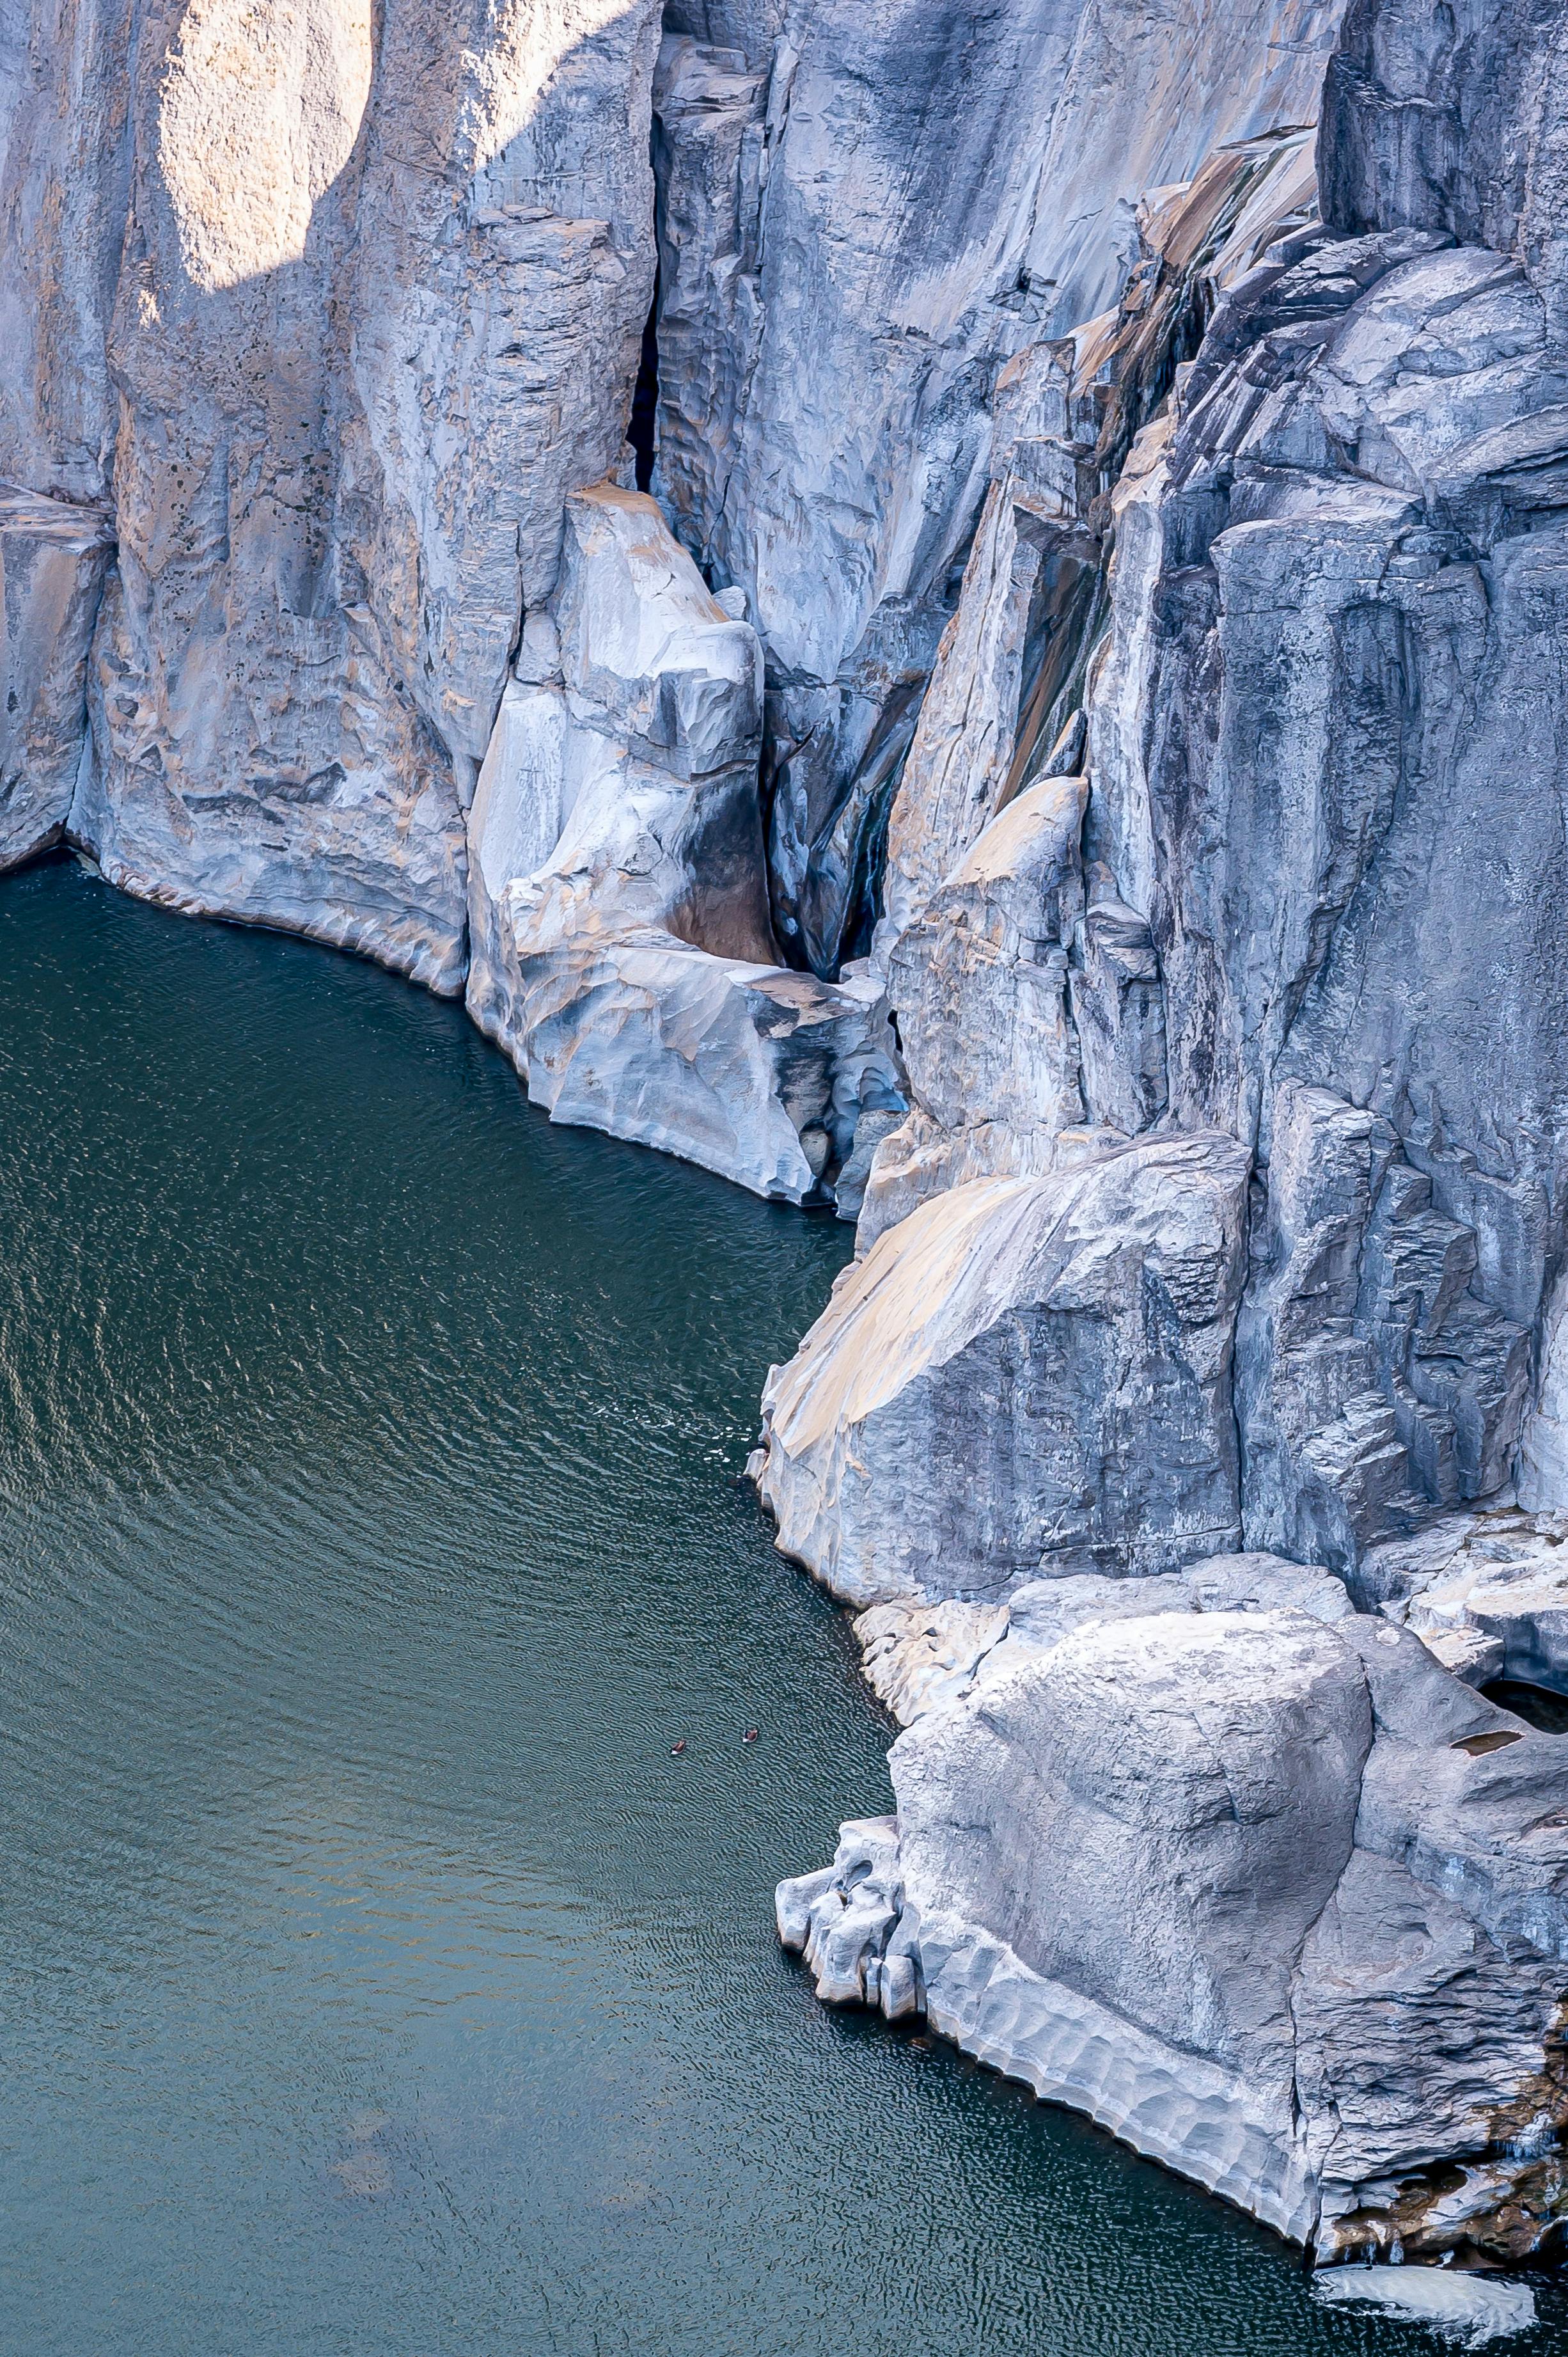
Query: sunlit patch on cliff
x=261, y=105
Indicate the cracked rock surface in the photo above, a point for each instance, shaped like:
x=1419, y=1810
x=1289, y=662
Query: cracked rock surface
x=1048, y=737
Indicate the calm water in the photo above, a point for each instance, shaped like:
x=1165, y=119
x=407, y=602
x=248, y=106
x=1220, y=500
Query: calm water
x=375, y=1980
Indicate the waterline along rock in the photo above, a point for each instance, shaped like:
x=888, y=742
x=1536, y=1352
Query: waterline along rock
x=954, y=612
x=621, y=948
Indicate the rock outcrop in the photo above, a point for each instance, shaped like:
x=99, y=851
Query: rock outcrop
x=941, y=608
x=621, y=949
x=1027, y=1375
x=331, y=314
x=53, y=558
x=1265, y=1892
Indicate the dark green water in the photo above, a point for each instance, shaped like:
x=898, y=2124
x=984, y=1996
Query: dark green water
x=373, y=1978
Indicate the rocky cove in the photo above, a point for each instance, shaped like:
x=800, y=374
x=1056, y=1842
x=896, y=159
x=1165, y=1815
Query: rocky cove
x=1047, y=741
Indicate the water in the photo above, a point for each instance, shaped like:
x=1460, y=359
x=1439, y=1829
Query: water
x=373, y=1978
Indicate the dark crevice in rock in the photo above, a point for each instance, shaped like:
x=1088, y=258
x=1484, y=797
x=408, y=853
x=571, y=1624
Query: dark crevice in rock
x=1537, y=1705
x=642, y=429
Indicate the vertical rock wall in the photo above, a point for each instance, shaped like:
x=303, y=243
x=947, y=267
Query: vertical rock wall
x=332, y=310
x=867, y=208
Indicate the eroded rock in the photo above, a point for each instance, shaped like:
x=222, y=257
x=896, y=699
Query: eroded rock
x=621, y=948
x=836, y=308
x=1024, y=1375
x=1270, y=1896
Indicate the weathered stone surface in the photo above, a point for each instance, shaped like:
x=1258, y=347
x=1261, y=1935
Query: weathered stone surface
x=867, y=208
x=1491, y=1584
x=1025, y=1375
x=354, y=303
x=1324, y=721
x=980, y=980
x=918, y=1655
x=1272, y=1898
x=1336, y=649
x=1002, y=729
x=1541, y=1474
x=53, y=558
x=1013, y=665
x=1323, y=623
x=621, y=952
x=1453, y=120
x=1373, y=1379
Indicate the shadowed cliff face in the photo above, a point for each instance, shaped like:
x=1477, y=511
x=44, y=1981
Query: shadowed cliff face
x=362, y=305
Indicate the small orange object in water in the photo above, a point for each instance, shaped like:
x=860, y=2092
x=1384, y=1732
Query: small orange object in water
x=678, y=1746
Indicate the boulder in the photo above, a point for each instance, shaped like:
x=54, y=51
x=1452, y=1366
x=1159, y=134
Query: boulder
x=1268, y=1895
x=1025, y=1375
x=920, y=1655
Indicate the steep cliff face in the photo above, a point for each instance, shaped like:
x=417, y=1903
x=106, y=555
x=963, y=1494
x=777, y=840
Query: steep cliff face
x=331, y=312
x=1050, y=734
x=1291, y=664
x=868, y=208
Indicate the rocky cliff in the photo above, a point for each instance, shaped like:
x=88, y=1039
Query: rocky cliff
x=954, y=610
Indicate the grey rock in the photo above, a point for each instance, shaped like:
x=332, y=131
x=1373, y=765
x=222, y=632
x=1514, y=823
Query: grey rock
x=1373, y=1379
x=826, y=414
x=1025, y=1375
x=332, y=344
x=1475, y=1659
x=1490, y=1587
x=920, y=1655
x=980, y=980
x=620, y=946
x=53, y=558
x=1454, y=122
x=1258, y=1893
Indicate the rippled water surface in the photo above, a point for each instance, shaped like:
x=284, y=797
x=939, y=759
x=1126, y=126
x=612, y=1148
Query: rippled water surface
x=375, y=1979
